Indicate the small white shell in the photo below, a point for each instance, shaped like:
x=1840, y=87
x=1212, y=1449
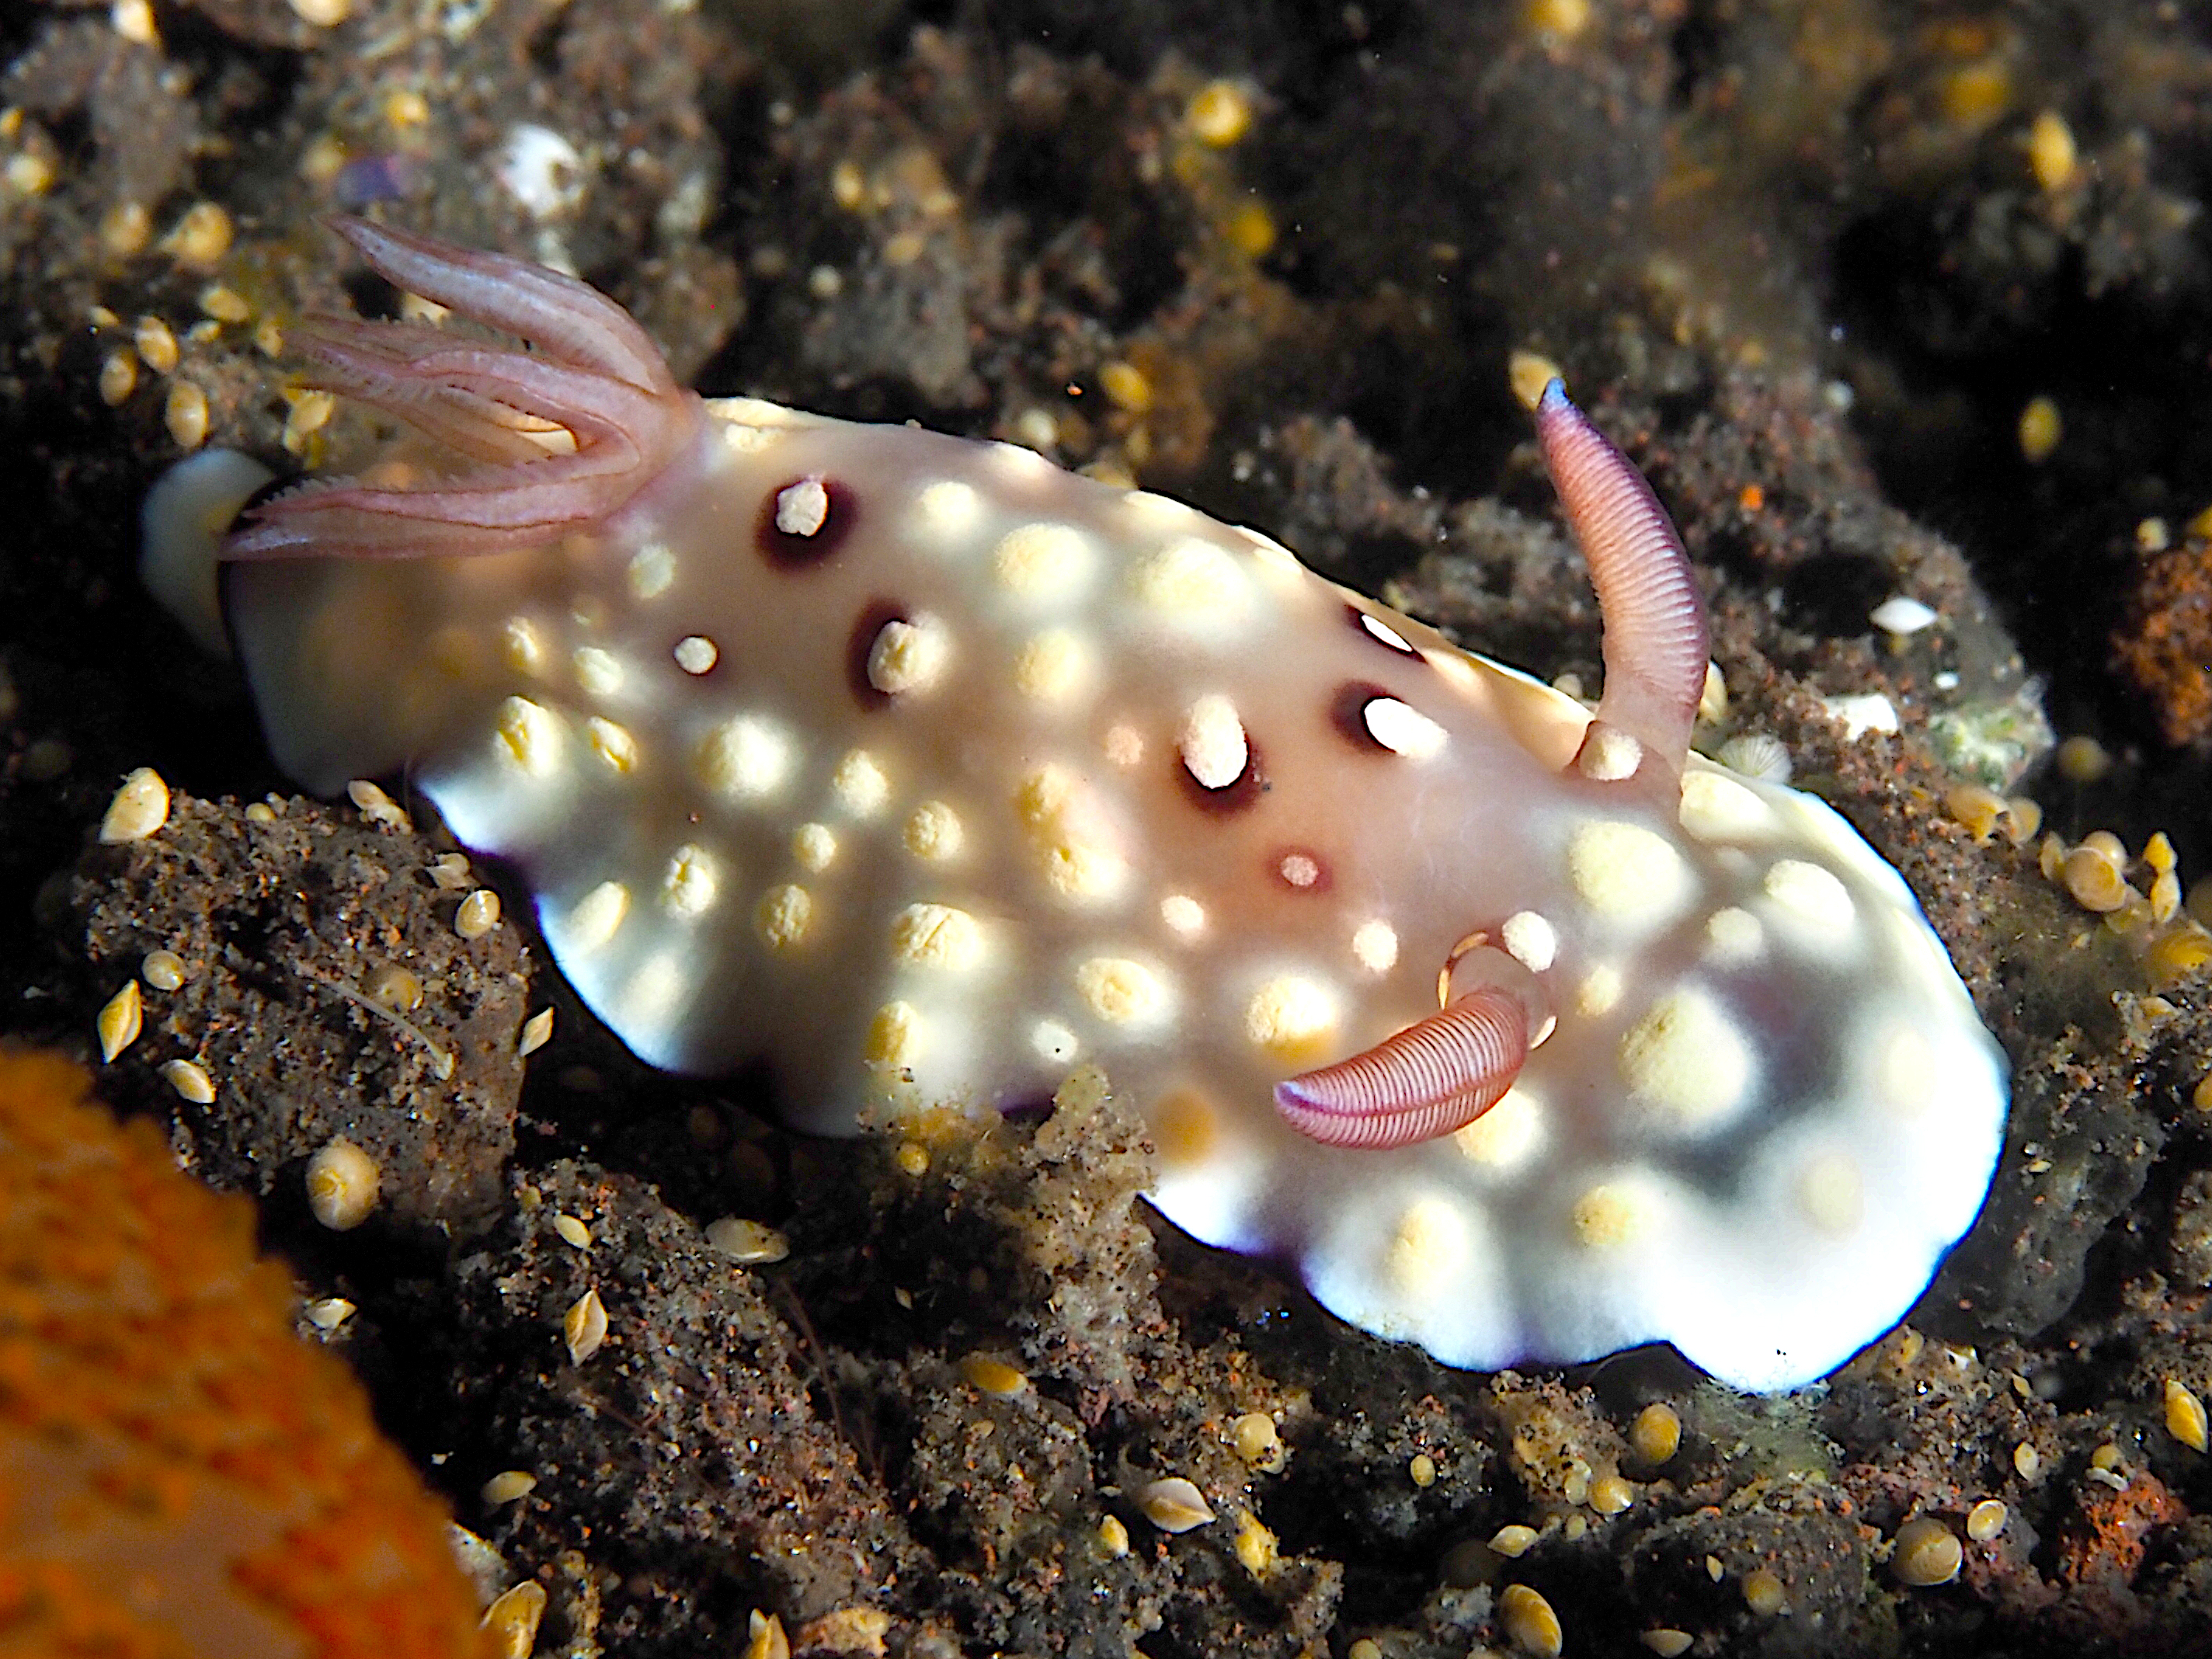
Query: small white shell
x=584, y=1327
x=342, y=1185
x=191, y=1081
x=1174, y=1504
x=751, y=1242
x=1901, y=614
x=507, y=1485
x=139, y=808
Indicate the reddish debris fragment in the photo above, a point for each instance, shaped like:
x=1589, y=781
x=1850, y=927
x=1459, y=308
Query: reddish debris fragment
x=2106, y=1537
x=2163, y=647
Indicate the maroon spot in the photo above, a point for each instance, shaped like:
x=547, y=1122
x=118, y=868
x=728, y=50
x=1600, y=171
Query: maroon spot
x=1239, y=794
x=1358, y=619
x=1347, y=713
x=861, y=642
x=1299, y=869
x=794, y=553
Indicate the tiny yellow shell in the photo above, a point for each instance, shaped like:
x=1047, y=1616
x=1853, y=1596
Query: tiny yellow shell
x=119, y=1021
x=119, y=376
x=1976, y=807
x=2040, y=428
x=2050, y=154
x=992, y=1377
x=479, y=914
x=185, y=412
x=125, y=229
x=342, y=1185
x=1255, y=1546
x=766, y=1639
x=191, y=1081
x=224, y=303
x=157, y=344
x=200, y=238
x=1763, y=1593
x=1656, y=1434
x=1565, y=19
x=1125, y=385
x=1220, y=113
x=2082, y=760
x=1928, y=1553
x=139, y=807
x=397, y=989
x=377, y=807
x=2094, y=878
x=513, y=1618
x=310, y=413
x=1254, y=1438
x=1529, y=1620
x=584, y=1327
x=507, y=1485
x=749, y=1241
x=2184, y=1416
x=1609, y=1494
x=2165, y=896
x=1174, y=1504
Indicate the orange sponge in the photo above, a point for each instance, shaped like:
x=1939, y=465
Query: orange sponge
x=179, y=1477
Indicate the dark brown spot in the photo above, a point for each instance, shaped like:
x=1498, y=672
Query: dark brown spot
x=1300, y=870
x=1359, y=620
x=861, y=642
x=1239, y=794
x=788, y=552
x=1347, y=711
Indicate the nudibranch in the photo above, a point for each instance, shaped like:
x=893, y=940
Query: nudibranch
x=923, y=771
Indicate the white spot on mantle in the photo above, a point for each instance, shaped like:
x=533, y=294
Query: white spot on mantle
x=802, y=508
x=1213, y=743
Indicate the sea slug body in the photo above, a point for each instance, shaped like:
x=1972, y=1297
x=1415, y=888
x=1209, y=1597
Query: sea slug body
x=922, y=770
